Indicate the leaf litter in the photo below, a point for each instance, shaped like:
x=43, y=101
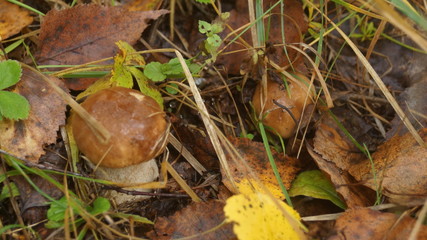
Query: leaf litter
x=87, y=33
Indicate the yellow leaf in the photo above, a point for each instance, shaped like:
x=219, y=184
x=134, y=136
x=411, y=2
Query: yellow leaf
x=257, y=216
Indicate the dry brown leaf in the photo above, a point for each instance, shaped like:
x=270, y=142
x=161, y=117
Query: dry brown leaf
x=87, y=33
x=192, y=220
x=26, y=138
x=256, y=157
x=400, y=166
x=294, y=26
x=334, y=153
x=12, y=19
x=364, y=223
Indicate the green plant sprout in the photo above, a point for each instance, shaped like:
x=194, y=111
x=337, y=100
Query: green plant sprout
x=367, y=29
x=12, y=105
x=56, y=213
x=158, y=72
x=213, y=40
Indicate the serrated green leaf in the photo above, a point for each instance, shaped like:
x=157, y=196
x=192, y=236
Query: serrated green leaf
x=100, y=205
x=315, y=184
x=153, y=71
x=10, y=73
x=128, y=51
x=13, y=106
x=6, y=193
x=120, y=76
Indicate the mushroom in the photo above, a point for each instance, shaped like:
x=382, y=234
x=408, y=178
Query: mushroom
x=273, y=115
x=139, y=130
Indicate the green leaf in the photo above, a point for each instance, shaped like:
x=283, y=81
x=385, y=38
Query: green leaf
x=203, y=1
x=145, y=85
x=10, y=73
x=100, y=205
x=13, y=106
x=204, y=27
x=315, y=184
x=56, y=212
x=215, y=40
x=172, y=88
x=136, y=218
x=153, y=71
x=5, y=192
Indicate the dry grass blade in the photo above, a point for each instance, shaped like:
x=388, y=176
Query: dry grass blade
x=419, y=222
x=182, y=183
x=377, y=80
x=205, y=116
x=187, y=155
x=393, y=17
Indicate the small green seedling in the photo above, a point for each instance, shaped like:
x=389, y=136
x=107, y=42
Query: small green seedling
x=367, y=29
x=213, y=40
x=158, y=72
x=56, y=212
x=12, y=105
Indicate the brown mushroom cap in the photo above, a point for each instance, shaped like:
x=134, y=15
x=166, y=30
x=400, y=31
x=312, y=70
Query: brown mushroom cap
x=137, y=124
x=276, y=117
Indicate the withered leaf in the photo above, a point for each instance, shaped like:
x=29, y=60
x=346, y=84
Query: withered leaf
x=12, y=19
x=334, y=153
x=88, y=32
x=26, y=138
x=400, y=166
x=364, y=223
x=192, y=220
x=256, y=157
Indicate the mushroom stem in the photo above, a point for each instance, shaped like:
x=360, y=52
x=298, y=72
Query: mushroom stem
x=128, y=176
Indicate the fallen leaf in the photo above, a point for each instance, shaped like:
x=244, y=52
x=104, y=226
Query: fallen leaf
x=334, y=153
x=88, y=32
x=364, y=223
x=256, y=157
x=26, y=138
x=400, y=167
x=257, y=216
x=294, y=26
x=314, y=184
x=195, y=219
x=12, y=19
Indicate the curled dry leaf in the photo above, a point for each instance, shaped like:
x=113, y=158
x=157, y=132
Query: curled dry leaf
x=254, y=154
x=12, y=19
x=26, y=138
x=87, y=33
x=334, y=153
x=364, y=223
x=400, y=167
x=294, y=26
x=193, y=220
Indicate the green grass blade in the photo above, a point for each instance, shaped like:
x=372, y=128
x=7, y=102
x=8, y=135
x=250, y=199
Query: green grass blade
x=273, y=164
